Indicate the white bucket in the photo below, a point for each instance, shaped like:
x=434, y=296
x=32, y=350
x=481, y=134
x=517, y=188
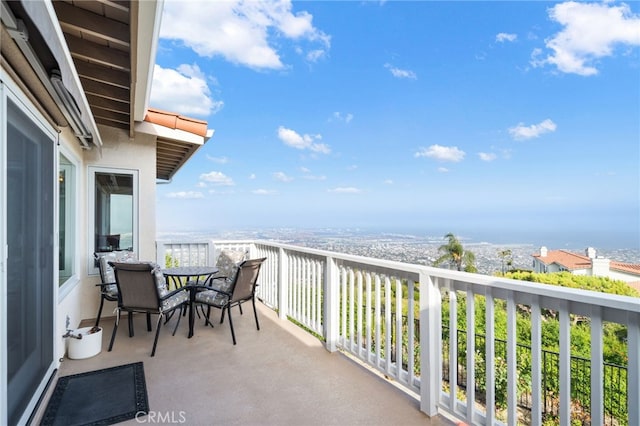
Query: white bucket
x=90, y=344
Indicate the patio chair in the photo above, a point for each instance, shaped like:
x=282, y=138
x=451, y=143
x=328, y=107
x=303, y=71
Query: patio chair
x=227, y=264
x=142, y=288
x=108, y=288
x=242, y=289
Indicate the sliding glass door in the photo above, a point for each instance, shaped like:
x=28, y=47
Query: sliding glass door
x=30, y=192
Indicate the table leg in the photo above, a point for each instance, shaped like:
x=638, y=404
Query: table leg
x=192, y=300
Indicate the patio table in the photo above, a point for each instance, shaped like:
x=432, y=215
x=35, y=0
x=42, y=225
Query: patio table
x=190, y=277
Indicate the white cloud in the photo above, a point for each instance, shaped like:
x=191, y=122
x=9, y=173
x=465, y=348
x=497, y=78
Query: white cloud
x=305, y=170
x=502, y=37
x=522, y=132
x=441, y=153
x=217, y=179
x=219, y=160
x=400, y=73
x=388, y=182
x=264, y=192
x=486, y=156
x=443, y=170
x=345, y=190
x=313, y=177
x=591, y=31
x=183, y=90
x=252, y=176
x=352, y=167
x=338, y=116
x=185, y=195
x=243, y=32
x=295, y=140
x=280, y=176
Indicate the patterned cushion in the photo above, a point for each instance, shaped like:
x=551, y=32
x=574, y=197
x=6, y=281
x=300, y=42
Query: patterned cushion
x=228, y=262
x=175, y=300
x=220, y=284
x=212, y=297
x=106, y=271
x=161, y=282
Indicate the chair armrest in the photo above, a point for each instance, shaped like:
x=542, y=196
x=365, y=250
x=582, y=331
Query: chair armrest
x=173, y=292
x=207, y=287
x=104, y=284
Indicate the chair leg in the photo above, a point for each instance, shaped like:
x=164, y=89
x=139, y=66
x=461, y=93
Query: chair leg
x=240, y=307
x=100, y=310
x=233, y=334
x=255, y=313
x=148, y=321
x=155, y=341
x=207, y=316
x=115, y=329
x=179, y=316
x=130, y=324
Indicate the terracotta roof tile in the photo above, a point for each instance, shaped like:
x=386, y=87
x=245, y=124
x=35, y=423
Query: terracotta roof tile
x=176, y=121
x=564, y=258
x=629, y=268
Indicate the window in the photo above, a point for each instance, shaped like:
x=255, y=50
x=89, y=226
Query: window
x=114, y=204
x=66, y=219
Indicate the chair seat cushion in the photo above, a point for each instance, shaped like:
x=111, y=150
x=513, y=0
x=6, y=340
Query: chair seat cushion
x=110, y=291
x=175, y=300
x=220, y=284
x=212, y=297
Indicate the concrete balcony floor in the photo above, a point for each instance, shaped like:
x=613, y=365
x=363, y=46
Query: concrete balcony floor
x=279, y=375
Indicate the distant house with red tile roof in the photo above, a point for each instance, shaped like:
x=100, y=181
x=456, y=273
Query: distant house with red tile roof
x=550, y=261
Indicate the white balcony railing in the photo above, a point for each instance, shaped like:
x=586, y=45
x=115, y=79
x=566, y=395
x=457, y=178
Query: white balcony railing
x=389, y=316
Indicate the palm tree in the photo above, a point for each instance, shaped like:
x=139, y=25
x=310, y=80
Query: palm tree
x=505, y=255
x=455, y=254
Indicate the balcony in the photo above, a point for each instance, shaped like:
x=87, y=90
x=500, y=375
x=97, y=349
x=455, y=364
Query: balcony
x=377, y=368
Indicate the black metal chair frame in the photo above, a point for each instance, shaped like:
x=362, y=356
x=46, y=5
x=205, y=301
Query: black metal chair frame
x=144, y=267
x=234, y=299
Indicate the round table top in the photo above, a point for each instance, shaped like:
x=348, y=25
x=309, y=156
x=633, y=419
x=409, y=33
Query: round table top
x=190, y=271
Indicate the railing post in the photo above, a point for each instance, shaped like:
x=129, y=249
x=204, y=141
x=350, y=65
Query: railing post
x=430, y=345
x=331, y=305
x=211, y=253
x=283, y=283
x=160, y=253
x=633, y=391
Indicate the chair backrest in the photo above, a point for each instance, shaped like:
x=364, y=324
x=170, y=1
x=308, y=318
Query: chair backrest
x=137, y=285
x=246, y=279
x=228, y=262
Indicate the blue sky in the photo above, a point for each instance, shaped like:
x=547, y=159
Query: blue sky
x=436, y=115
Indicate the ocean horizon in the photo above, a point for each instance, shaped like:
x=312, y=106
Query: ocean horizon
x=553, y=240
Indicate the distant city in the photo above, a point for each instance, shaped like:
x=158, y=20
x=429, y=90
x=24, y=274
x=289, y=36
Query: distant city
x=415, y=248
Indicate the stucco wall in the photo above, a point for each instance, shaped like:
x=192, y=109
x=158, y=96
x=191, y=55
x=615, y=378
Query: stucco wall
x=118, y=151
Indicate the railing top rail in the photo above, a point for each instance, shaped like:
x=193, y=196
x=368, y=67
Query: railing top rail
x=461, y=280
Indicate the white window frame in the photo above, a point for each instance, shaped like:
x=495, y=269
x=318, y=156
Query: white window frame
x=92, y=269
x=71, y=222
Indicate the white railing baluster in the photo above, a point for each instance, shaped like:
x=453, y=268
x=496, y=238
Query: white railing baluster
x=565, y=365
x=597, y=373
x=633, y=374
x=367, y=322
x=471, y=359
x=453, y=349
x=360, y=337
x=332, y=304
x=283, y=284
x=378, y=322
x=411, y=337
x=398, y=326
x=387, y=324
x=512, y=373
x=490, y=383
x=536, y=364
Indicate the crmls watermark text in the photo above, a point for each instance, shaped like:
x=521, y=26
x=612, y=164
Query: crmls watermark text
x=161, y=417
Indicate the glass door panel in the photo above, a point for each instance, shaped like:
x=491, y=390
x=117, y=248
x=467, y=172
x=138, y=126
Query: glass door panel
x=30, y=273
